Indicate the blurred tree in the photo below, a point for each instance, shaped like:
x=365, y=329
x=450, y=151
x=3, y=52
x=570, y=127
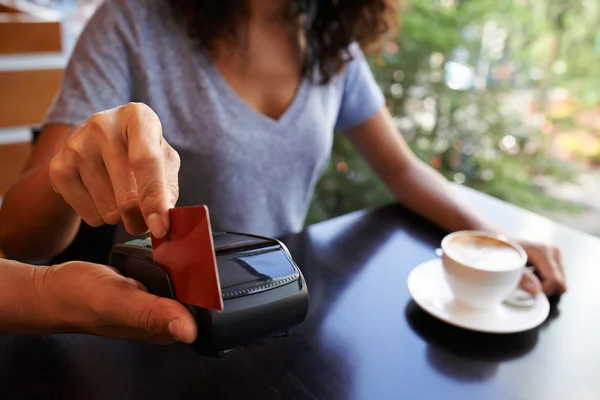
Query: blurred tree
x=556, y=43
x=445, y=87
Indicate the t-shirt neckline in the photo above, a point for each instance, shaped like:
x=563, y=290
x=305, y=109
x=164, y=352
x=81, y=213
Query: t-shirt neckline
x=234, y=100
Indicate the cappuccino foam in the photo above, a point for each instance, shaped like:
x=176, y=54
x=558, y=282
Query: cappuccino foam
x=483, y=253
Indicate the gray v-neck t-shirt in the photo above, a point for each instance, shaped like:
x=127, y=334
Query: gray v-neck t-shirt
x=256, y=174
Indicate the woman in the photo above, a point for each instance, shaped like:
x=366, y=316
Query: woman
x=232, y=104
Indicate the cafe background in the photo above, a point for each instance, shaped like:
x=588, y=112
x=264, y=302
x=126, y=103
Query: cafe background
x=503, y=97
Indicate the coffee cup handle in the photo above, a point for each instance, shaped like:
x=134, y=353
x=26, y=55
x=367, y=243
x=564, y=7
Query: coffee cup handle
x=439, y=252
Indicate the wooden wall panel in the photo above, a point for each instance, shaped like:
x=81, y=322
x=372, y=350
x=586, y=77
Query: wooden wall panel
x=28, y=28
x=26, y=95
x=29, y=37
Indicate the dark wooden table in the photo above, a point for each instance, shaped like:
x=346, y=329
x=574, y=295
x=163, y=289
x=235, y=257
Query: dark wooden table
x=363, y=339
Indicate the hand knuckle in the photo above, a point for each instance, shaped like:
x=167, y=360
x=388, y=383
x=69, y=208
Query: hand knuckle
x=174, y=158
x=538, y=251
x=74, y=144
x=130, y=109
x=136, y=107
x=57, y=169
x=93, y=220
x=142, y=114
x=147, y=112
x=145, y=158
x=97, y=119
x=97, y=124
x=127, y=202
x=563, y=288
x=139, y=110
x=151, y=190
x=174, y=189
x=110, y=215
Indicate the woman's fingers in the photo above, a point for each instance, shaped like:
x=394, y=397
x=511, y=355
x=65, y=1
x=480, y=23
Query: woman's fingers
x=530, y=283
x=548, y=267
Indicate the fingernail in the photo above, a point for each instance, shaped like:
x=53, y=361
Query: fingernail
x=156, y=225
x=172, y=329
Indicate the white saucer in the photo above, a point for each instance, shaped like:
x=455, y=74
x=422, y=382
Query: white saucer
x=429, y=290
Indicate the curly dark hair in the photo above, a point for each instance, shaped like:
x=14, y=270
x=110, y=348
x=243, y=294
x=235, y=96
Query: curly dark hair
x=330, y=26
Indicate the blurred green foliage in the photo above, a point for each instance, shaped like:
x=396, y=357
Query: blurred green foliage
x=442, y=86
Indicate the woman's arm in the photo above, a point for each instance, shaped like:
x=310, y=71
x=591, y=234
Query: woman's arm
x=424, y=191
x=36, y=222
x=415, y=184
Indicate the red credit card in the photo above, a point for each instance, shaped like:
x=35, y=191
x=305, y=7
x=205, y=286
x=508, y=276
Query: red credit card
x=187, y=253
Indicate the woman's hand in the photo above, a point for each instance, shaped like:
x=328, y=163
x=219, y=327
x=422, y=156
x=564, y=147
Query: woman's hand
x=547, y=264
x=116, y=167
x=94, y=299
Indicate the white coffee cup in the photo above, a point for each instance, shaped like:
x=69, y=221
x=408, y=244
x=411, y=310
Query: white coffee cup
x=482, y=269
